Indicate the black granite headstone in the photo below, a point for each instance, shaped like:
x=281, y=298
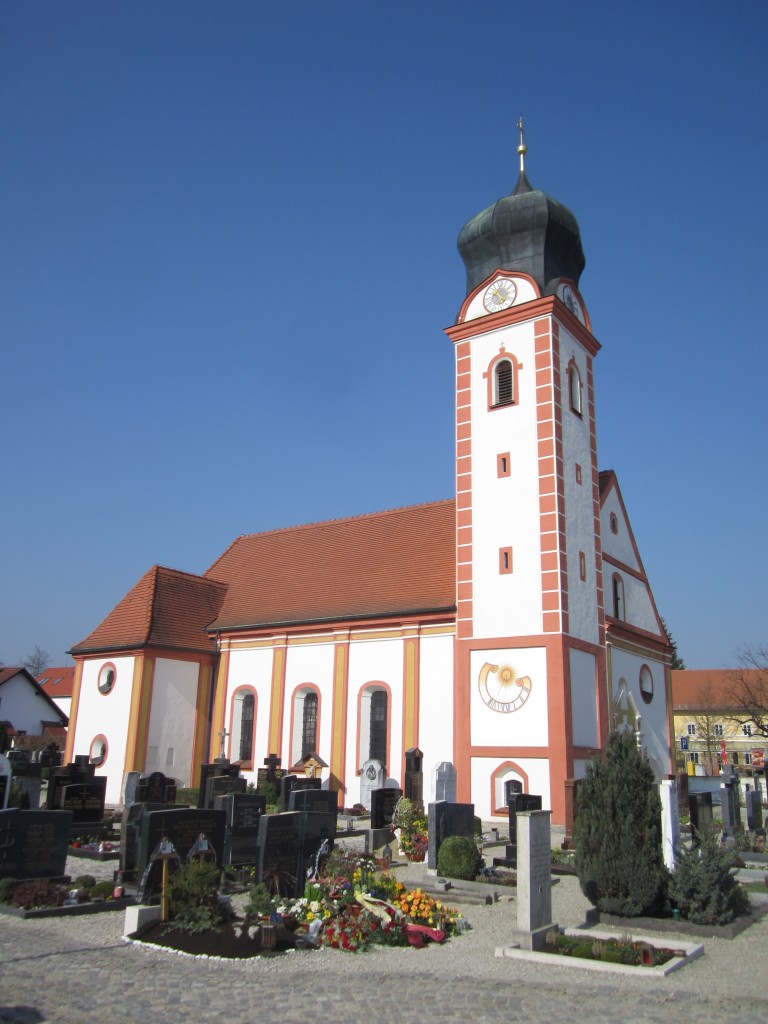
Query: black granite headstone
x=221, y=766
x=447, y=819
x=130, y=832
x=85, y=800
x=156, y=788
x=183, y=826
x=700, y=807
x=515, y=804
x=81, y=770
x=383, y=804
x=280, y=853
x=414, y=778
x=289, y=783
x=754, y=810
x=314, y=800
x=222, y=785
x=34, y=844
x=242, y=812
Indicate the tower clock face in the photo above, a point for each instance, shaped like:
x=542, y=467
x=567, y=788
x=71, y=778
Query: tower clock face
x=500, y=295
x=569, y=298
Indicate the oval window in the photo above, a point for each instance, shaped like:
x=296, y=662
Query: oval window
x=646, y=684
x=107, y=677
x=98, y=752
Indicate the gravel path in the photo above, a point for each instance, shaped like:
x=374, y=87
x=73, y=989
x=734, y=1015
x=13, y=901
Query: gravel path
x=80, y=971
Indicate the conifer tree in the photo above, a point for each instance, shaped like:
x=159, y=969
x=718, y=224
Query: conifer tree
x=617, y=832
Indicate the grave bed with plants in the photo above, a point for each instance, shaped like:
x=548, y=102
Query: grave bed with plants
x=46, y=897
x=605, y=951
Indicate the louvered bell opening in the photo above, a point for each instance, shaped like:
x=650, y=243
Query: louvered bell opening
x=504, y=394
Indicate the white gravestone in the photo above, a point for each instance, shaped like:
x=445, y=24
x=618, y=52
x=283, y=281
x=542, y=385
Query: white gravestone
x=534, y=879
x=372, y=776
x=445, y=782
x=670, y=822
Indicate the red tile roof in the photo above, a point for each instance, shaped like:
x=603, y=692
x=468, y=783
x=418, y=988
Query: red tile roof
x=397, y=562
x=707, y=689
x=57, y=682
x=166, y=608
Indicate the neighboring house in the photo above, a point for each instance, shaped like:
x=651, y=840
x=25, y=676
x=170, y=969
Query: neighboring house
x=26, y=709
x=706, y=733
x=58, y=683
x=505, y=630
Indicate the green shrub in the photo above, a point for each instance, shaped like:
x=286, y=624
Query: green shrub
x=7, y=886
x=617, y=832
x=102, y=890
x=703, y=887
x=84, y=882
x=269, y=790
x=458, y=857
x=260, y=903
x=193, y=897
x=478, y=826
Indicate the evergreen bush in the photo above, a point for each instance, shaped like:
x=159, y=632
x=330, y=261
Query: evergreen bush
x=703, y=887
x=458, y=857
x=193, y=897
x=617, y=832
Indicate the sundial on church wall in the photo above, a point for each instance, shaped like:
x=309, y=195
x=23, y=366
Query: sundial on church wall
x=502, y=689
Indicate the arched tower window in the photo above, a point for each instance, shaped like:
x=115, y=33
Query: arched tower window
x=377, y=747
x=574, y=388
x=309, y=725
x=618, y=596
x=503, y=383
x=243, y=721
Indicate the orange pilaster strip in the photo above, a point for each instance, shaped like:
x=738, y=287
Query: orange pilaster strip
x=276, y=701
x=339, y=717
x=219, y=705
x=69, y=749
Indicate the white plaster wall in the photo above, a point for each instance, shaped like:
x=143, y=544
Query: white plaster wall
x=526, y=292
x=528, y=726
x=435, y=705
x=505, y=511
x=579, y=507
x=24, y=706
x=638, y=608
x=626, y=665
x=171, y=733
x=374, y=661
x=482, y=768
x=617, y=545
x=105, y=714
x=583, y=668
x=252, y=667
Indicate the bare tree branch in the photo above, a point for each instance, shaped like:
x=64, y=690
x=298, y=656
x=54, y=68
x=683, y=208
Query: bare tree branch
x=748, y=690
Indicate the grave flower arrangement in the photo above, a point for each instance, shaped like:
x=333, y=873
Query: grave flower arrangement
x=410, y=830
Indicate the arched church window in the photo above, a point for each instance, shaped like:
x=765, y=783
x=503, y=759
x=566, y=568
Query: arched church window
x=618, y=596
x=246, y=727
x=309, y=725
x=377, y=747
x=503, y=386
x=574, y=388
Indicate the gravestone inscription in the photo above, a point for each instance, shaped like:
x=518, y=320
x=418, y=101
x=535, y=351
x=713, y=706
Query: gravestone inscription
x=326, y=800
x=33, y=844
x=373, y=775
x=242, y=812
x=183, y=826
x=291, y=783
x=534, y=879
x=85, y=800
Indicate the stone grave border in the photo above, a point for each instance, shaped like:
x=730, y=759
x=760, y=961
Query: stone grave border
x=80, y=909
x=691, y=951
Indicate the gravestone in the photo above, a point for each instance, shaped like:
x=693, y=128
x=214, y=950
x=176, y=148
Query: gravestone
x=383, y=804
x=78, y=771
x=682, y=793
x=730, y=811
x=700, y=808
x=511, y=788
x=280, y=853
x=534, y=879
x=670, y=822
x=448, y=819
x=183, y=826
x=155, y=789
x=373, y=775
x=27, y=778
x=243, y=813
x=445, y=782
x=5, y=781
x=223, y=785
x=318, y=832
x=85, y=800
x=33, y=844
x=414, y=778
x=130, y=781
x=571, y=807
x=325, y=800
x=289, y=783
x=130, y=833
x=219, y=768
x=517, y=804
x=754, y=810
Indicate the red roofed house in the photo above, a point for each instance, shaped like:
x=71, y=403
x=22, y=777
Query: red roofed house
x=506, y=630
x=58, y=683
x=26, y=709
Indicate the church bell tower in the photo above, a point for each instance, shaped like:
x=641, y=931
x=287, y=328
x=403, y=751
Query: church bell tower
x=530, y=693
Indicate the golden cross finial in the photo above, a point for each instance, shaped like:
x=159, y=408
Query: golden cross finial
x=522, y=149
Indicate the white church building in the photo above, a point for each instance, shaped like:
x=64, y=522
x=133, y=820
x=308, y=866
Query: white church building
x=507, y=629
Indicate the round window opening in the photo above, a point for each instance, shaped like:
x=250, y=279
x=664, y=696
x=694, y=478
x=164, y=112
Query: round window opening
x=107, y=678
x=646, y=684
x=98, y=751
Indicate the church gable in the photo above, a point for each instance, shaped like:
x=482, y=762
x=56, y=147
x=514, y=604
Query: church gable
x=399, y=562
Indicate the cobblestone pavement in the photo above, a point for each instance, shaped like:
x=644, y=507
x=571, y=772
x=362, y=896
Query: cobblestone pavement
x=51, y=975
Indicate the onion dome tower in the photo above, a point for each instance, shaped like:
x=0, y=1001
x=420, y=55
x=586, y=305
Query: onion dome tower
x=527, y=231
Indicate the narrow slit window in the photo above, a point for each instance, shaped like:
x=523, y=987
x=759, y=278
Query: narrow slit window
x=574, y=388
x=505, y=560
x=503, y=467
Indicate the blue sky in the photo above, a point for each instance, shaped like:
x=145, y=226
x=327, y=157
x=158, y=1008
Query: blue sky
x=228, y=253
